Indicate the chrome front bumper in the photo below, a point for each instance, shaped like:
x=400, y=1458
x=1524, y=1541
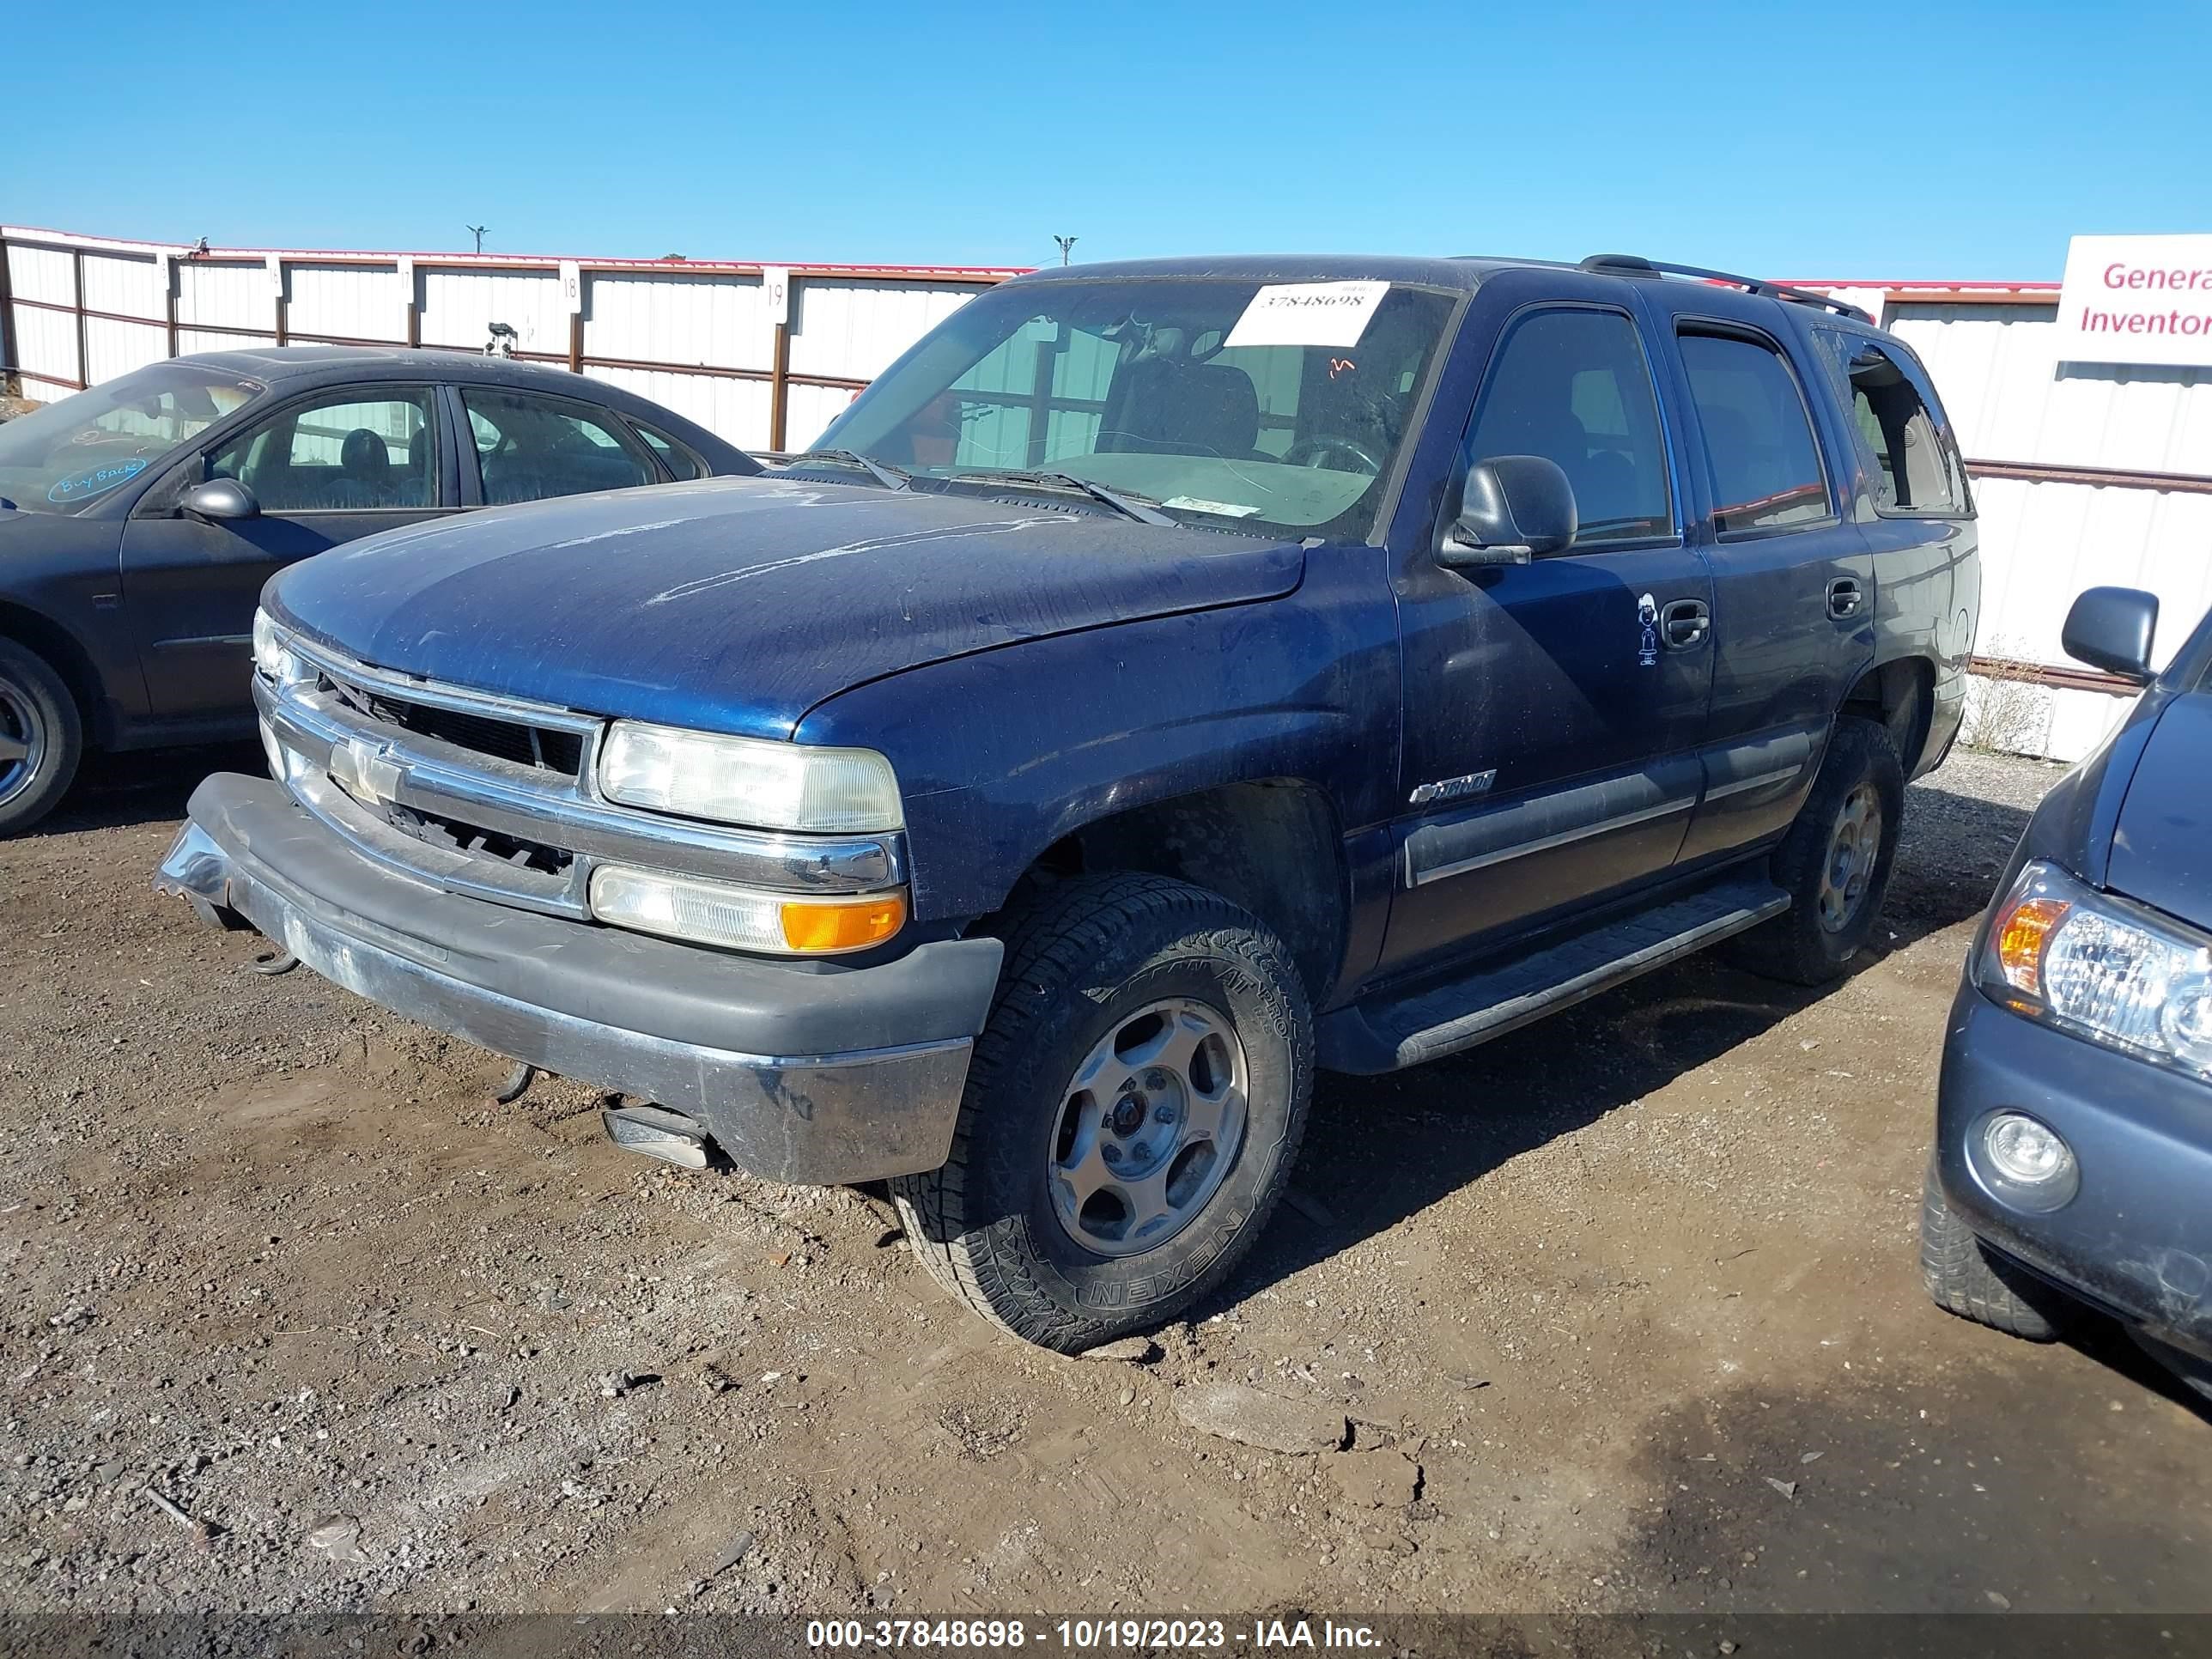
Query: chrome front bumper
x=812, y=1072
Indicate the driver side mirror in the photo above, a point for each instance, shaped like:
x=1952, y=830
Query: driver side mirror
x=1514, y=508
x=219, y=499
x=2112, y=628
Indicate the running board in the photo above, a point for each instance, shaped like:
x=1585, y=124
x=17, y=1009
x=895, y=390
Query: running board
x=1385, y=1034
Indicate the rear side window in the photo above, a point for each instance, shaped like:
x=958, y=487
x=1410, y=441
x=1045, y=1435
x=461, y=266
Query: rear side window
x=1573, y=387
x=531, y=447
x=1916, y=471
x=1759, y=450
x=680, y=461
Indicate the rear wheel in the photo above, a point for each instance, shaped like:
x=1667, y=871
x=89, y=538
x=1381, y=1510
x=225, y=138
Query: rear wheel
x=1835, y=862
x=41, y=738
x=1964, y=1277
x=1130, y=1118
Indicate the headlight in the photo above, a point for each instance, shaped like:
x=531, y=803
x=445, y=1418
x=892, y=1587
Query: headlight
x=743, y=918
x=2102, y=966
x=750, y=781
x=270, y=656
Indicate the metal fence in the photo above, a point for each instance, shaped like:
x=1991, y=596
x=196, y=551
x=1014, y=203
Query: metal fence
x=2084, y=473
x=761, y=355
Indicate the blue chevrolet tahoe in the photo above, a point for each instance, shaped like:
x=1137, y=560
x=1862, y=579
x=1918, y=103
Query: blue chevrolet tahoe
x=1167, y=677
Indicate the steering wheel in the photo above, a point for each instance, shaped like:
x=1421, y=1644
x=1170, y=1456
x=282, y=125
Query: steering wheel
x=1328, y=453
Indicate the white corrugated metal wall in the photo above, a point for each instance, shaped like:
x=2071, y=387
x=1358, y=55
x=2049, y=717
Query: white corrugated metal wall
x=708, y=339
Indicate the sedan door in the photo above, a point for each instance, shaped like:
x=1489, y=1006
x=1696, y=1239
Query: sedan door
x=323, y=470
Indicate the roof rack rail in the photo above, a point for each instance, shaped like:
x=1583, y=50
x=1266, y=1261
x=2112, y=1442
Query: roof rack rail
x=1631, y=264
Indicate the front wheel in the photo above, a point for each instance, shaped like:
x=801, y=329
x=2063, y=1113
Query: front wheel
x=1130, y=1118
x=41, y=738
x=1835, y=862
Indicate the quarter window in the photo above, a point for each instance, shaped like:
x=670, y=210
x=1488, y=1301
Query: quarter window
x=1916, y=470
x=1573, y=387
x=346, y=453
x=1759, y=450
x=680, y=461
x=530, y=448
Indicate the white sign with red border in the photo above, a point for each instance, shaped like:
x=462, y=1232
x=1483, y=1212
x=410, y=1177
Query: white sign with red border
x=2137, y=300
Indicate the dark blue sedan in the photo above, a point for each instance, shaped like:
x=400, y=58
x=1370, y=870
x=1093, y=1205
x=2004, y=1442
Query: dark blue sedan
x=2073, y=1132
x=138, y=521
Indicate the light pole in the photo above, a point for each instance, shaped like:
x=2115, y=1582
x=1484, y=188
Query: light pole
x=1065, y=243
x=479, y=230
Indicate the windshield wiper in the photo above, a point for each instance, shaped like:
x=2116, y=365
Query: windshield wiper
x=889, y=476
x=1143, y=508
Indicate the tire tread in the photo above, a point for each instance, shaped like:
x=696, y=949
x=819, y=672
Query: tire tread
x=1963, y=1278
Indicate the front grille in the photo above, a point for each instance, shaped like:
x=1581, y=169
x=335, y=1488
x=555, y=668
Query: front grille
x=539, y=746
x=433, y=830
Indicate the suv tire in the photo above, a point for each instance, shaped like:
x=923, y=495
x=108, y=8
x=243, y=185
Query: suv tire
x=1966, y=1278
x=41, y=737
x=1130, y=1115
x=1835, y=862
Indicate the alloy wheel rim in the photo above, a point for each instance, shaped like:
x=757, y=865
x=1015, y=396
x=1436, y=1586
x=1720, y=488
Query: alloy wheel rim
x=23, y=741
x=1149, y=1127
x=1854, y=847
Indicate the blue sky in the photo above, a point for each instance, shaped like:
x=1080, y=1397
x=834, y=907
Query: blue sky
x=1934, y=140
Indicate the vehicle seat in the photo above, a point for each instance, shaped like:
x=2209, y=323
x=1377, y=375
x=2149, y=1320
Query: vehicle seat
x=364, y=471
x=1169, y=407
x=413, y=486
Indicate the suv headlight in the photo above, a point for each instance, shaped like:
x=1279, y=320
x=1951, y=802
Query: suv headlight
x=271, y=656
x=757, y=782
x=2102, y=966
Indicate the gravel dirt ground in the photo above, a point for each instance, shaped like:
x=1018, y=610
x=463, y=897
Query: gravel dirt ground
x=1622, y=1309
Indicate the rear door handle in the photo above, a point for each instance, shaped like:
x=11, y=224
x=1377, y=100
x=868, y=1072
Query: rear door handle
x=1845, y=596
x=1684, y=624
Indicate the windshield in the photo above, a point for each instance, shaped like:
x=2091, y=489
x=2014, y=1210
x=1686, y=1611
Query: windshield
x=1276, y=406
x=68, y=454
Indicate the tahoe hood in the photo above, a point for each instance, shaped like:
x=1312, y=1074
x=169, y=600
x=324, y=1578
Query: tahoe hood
x=736, y=605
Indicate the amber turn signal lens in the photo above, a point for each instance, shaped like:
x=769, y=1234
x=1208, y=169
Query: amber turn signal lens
x=808, y=925
x=2021, y=935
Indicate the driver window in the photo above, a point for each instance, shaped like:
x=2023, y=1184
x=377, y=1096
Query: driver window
x=344, y=452
x=1573, y=386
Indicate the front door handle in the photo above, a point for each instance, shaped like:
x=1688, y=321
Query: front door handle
x=1684, y=624
x=1845, y=596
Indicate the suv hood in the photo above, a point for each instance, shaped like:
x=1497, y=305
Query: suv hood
x=2162, y=844
x=736, y=605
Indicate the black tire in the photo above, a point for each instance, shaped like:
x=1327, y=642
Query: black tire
x=1801, y=945
x=1964, y=1277
x=41, y=737
x=1084, y=963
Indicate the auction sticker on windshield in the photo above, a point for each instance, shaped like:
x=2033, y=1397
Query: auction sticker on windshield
x=1308, y=314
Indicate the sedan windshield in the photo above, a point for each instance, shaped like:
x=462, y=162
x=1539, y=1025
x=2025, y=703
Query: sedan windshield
x=64, y=456
x=1270, y=406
